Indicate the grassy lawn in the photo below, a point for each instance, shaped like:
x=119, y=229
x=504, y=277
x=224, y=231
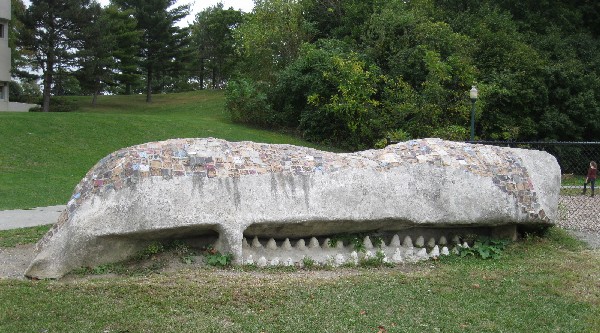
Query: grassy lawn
x=43, y=156
x=540, y=285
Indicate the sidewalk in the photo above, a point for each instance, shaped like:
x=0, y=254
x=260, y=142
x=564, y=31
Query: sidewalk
x=22, y=218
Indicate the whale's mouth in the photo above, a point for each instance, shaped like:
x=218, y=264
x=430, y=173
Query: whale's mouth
x=263, y=245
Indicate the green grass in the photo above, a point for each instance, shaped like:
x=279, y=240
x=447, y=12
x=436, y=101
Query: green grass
x=44, y=155
x=14, y=237
x=572, y=180
x=541, y=285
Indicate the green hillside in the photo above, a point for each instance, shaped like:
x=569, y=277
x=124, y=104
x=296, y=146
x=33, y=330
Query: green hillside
x=44, y=155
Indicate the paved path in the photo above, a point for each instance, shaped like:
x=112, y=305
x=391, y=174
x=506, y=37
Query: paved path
x=22, y=218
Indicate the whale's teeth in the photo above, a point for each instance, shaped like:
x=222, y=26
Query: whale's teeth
x=435, y=252
x=431, y=242
x=256, y=243
x=262, y=262
x=420, y=242
x=443, y=241
x=313, y=243
x=326, y=244
x=300, y=245
x=397, y=257
x=445, y=251
x=354, y=257
x=245, y=242
x=339, y=259
x=395, y=241
x=271, y=245
x=407, y=242
x=367, y=243
x=286, y=244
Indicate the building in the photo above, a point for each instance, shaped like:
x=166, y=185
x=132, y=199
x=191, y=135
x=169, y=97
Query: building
x=4, y=54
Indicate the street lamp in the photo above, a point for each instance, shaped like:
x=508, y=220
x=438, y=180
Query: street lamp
x=473, y=93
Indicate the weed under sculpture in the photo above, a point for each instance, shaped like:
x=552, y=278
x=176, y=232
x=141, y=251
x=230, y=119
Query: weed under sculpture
x=212, y=191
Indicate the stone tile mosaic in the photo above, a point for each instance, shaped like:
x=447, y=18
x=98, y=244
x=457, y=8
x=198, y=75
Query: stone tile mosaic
x=216, y=158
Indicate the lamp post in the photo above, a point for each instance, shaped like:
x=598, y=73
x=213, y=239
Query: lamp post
x=473, y=93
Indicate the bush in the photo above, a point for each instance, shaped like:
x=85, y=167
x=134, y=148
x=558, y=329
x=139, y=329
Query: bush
x=62, y=104
x=247, y=102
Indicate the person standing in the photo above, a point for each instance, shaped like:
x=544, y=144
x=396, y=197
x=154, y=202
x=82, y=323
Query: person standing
x=591, y=177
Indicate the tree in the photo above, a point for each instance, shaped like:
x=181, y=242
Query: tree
x=162, y=43
x=20, y=58
x=270, y=37
x=50, y=32
x=212, y=35
x=339, y=19
x=409, y=45
x=108, y=41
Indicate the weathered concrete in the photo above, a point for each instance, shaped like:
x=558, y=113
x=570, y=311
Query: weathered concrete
x=203, y=188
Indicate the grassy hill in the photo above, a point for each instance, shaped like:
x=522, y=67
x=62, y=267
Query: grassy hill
x=44, y=155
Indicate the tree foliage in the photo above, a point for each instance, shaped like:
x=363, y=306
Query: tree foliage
x=373, y=69
x=212, y=39
x=270, y=38
x=49, y=31
x=162, y=46
x=107, y=45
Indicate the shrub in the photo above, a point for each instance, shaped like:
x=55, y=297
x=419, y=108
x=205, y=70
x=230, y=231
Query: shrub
x=213, y=257
x=485, y=248
x=247, y=102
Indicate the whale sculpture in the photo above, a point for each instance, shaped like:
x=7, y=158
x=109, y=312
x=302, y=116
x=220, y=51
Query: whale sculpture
x=209, y=189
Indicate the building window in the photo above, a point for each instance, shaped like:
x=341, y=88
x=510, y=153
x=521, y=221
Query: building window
x=1, y=91
x=1, y=30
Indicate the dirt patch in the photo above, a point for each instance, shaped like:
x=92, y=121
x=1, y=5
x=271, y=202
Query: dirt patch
x=15, y=260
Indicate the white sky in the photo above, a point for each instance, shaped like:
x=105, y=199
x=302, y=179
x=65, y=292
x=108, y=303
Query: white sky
x=198, y=5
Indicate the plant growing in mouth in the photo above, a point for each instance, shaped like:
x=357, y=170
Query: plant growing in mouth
x=485, y=248
x=213, y=257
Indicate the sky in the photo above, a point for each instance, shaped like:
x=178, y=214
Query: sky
x=198, y=5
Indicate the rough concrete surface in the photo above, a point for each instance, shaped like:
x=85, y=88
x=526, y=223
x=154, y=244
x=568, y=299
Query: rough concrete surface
x=210, y=188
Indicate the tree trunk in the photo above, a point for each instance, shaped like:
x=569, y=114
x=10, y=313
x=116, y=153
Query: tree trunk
x=214, y=78
x=96, y=89
x=202, y=74
x=149, y=86
x=47, y=86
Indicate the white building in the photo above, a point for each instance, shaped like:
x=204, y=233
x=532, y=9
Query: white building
x=4, y=54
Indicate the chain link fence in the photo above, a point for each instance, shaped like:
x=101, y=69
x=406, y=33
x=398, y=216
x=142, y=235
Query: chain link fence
x=577, y=211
